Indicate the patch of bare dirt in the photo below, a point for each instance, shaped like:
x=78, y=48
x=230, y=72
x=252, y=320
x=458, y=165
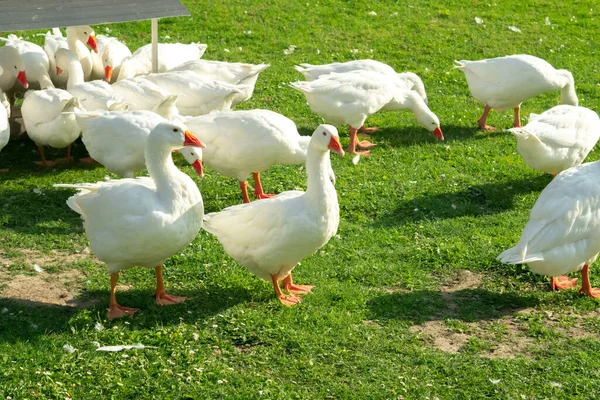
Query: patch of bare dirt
x=61, y=289
x=56, y=258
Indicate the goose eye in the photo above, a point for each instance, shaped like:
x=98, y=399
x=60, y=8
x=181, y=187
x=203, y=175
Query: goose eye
x=85, y=33
x=175, y=130
x=324, y=133
x=16, y=67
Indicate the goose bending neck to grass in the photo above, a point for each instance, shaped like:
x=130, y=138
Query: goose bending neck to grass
x=144, y=221
x=505, y=82
x=350, y=97
x=270, y=237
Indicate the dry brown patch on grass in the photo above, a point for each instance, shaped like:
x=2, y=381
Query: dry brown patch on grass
x=56, y=258
x=61, y=289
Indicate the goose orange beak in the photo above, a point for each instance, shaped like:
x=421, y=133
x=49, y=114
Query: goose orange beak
x=198, y=167
x=108, y=70
x=92, y=43
x=438, y=133
x=22, y=78
x=191, y=140
x=335, y=145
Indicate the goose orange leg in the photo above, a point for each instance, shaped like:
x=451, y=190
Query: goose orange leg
x=44, y=162
x=517, y=121
x=481, y=121
x=114, y=309
x=162, y=298
x=354, y=142
x=562, y=282
x=295, y=289
x=285, y=299
x=67, y=159
x=258, y=190
x=364, y=131
x=586, y=286
x=244, y=187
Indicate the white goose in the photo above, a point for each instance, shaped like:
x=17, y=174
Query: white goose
x=106, y=64
x=116, y=139
x=558, y=139
x=45, y=123
x=94, y=95
x=405, y=80
x=199, y=96
x=272, y=236
x=170, y=55
x=350, y=97
x=13, y=69
x=563, y=232
x=139, y=93
x=77, y=40
x=35, y=59
x=248, y=141
x=235, y=73
x=144, y=221
x=505, y=82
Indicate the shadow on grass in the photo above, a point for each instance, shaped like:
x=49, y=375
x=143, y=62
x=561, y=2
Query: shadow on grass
x=24, y=320
x=468, y=305
x=489, y=198
x=416, y=134
x=45, y=213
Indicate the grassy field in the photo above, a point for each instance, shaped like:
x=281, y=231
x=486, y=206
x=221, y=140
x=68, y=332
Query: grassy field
x=410, y=302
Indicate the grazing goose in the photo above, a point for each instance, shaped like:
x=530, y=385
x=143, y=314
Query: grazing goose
x=248, y=141
x=270, y=237
x=406, y=80
x=505, y=82
x=144, y=221
x=350, y=97
x=563, y=231
x=558, y=139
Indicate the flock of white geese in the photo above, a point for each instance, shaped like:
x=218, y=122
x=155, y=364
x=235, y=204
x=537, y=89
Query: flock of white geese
x=130, y=119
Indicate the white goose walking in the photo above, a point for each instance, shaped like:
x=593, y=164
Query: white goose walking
x=270, y=237
x=505, y=82
x=144, y=221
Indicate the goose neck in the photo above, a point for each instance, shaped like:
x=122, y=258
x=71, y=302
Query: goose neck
x=163, y=171
x=76, y=76
x=318, y=167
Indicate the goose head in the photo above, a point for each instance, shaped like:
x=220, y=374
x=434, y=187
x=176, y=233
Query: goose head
x=431, y=122
x=63, y=59
x=85, y=34
x=112, y=59
x=325, y=138
x=193, y=155
x=174, y=135
x=12, y=61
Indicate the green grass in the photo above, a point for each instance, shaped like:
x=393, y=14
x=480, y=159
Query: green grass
x=412, y=216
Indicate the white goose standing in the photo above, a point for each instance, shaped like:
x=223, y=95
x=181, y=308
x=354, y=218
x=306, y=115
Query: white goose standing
x=563, y=231
x=78, y=39
x=244, y=142
x=505, y=82
x=558, y=139
x=144, y=221
x=270, y=237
